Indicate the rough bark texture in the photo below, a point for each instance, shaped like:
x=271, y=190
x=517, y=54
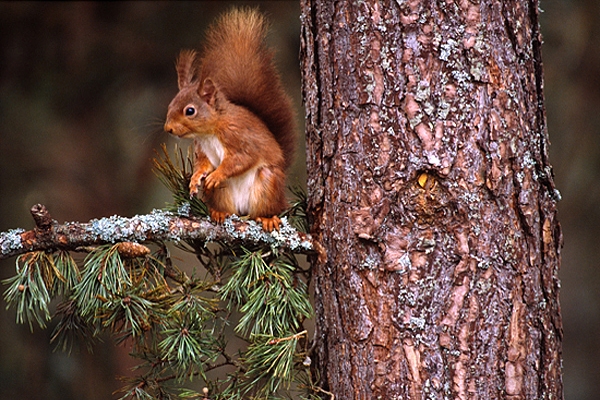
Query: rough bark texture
x=431, y=191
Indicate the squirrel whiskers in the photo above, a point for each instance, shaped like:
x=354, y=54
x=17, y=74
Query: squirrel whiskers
x=232, y=103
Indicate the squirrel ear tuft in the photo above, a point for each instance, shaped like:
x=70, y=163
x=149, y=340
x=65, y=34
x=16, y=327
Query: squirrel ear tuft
x=207, y=91
x=185, y=68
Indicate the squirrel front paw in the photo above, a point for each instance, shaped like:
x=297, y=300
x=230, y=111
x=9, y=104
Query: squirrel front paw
x=213, y=180
x=196, y=182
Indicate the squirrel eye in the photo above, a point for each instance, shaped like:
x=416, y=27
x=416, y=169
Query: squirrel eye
x=189, y=111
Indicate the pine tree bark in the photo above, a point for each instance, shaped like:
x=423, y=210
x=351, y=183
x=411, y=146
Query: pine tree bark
x=431, y=191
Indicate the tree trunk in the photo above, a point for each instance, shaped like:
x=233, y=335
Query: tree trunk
x=431, y=192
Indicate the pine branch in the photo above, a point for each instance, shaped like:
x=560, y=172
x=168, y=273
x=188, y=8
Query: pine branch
x=176, y=322
x=159, y=225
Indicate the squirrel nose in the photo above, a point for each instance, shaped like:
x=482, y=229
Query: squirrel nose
x=168, y=128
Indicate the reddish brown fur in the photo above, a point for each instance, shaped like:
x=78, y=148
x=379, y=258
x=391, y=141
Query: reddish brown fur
x=243, y=121
x=236, y=57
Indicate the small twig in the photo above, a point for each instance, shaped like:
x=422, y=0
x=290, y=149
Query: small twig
x=332, y=396
x=209, y=367
x=317, y=389
x=42, y=218
x=296, y=336
x=230, y=361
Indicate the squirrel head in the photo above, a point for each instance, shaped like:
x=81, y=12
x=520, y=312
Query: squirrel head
x=194, y=110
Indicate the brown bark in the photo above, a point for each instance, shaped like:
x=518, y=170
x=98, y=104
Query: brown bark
x=431, y=191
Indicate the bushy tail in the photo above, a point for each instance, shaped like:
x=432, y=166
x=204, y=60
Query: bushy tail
x=236, y=58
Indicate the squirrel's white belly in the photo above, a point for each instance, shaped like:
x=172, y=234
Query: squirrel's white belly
x=241, y=189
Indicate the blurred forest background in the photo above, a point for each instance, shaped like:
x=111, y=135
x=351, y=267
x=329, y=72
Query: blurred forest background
x=84, y=89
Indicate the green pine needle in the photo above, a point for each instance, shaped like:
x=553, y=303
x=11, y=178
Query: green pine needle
x=105, y=274
x=67, y=272
x=188, y=344
x=71, y=328
x=270, y=363
x=272, y=300
x=176, y=177
x=28, y=289
x=129, y=314
x=297, y=212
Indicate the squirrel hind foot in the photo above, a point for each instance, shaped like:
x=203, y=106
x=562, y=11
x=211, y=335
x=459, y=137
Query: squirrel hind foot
x=218, y=216
x=269, y=224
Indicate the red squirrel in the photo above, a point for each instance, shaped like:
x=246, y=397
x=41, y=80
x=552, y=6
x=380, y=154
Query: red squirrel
x=232, y=103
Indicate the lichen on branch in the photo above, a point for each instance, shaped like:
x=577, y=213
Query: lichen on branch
x=159, y=225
